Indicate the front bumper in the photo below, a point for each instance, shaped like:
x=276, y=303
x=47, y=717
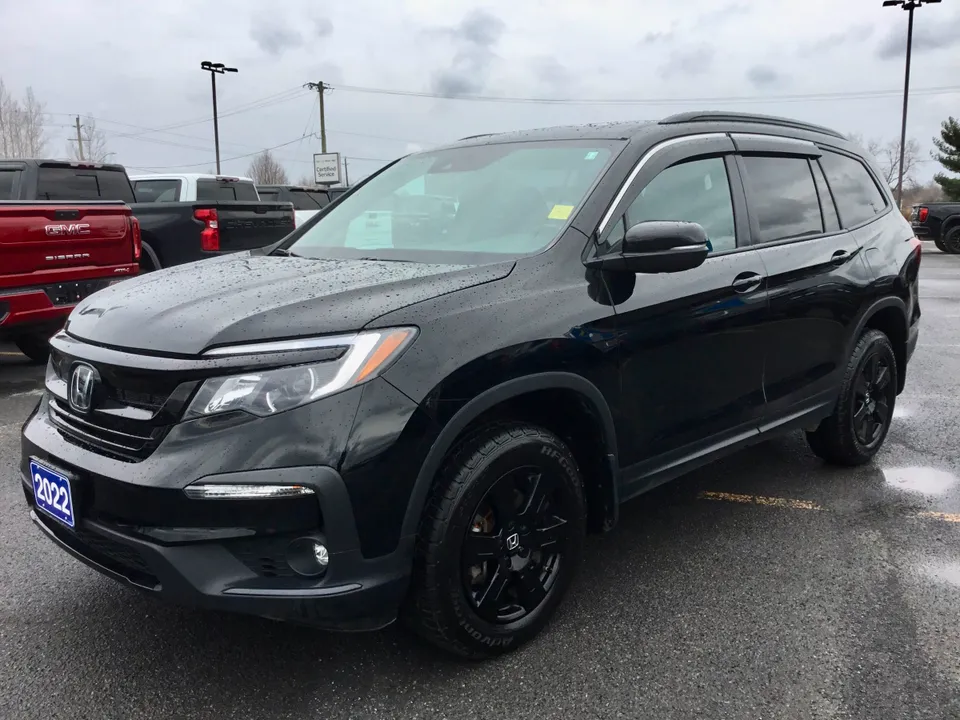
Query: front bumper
x=234, y=570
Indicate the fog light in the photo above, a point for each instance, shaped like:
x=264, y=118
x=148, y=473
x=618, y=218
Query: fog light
x=308, y=556
x=321, y=555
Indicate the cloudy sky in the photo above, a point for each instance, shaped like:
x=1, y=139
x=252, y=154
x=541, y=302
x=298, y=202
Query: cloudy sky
x=409, y=74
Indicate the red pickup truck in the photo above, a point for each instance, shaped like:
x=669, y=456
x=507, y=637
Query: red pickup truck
x=52, y=255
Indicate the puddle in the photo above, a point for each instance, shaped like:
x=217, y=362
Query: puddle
x=923, y=480
x=902, y=412
x=943, y=572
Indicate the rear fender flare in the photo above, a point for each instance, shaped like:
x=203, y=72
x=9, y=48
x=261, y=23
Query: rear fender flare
x=494, y=396
x=872, y=310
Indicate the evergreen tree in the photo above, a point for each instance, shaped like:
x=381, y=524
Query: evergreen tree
x=949, y=156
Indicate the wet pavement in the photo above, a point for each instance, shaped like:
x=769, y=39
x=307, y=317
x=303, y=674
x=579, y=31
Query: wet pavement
x=765, y=586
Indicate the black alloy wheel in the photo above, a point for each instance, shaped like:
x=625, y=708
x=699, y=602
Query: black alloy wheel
x=951, y=241
x=861, y=418
x=513, y=549
x=871, y=410
x=499, y=540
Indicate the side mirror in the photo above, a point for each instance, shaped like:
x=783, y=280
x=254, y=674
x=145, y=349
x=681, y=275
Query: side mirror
x=658, y=247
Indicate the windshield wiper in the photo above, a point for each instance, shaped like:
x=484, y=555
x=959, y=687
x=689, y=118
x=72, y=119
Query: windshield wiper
x=285, y=253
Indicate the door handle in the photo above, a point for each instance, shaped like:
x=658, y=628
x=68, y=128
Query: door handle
x=839, y=257
x=745, y=282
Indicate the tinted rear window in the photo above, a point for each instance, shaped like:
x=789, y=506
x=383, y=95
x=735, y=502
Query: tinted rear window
x=157, y=190
x=783, y=197
x=69, y=183
x=857, y=195
x=8, y=181
x=308, y=200
x=271, y=194
x=226, y=190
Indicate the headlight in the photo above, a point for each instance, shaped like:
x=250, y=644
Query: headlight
x=272, y=391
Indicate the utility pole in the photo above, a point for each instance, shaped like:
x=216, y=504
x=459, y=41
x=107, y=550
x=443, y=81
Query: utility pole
x=214, y=69
x=909, y=6
x=79, y=139
x=346, y=172
x=321, y=88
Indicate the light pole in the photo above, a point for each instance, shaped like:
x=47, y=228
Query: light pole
x=214, y=69
x=909, y=6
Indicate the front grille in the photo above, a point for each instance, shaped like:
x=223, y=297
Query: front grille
x=102, y=434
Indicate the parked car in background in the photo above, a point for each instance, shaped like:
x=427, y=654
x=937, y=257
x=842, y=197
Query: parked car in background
x=306, y=200
x=939, y=222
x=173, y=232
x=346, y=428
x=54, y=254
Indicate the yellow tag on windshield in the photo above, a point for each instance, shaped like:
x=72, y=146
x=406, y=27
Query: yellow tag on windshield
x=560, y=212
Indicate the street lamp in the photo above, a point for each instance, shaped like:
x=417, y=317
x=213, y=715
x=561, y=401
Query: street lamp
x=909, y=6
x=214, y=69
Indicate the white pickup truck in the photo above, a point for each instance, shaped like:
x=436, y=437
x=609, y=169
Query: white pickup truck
x=193, y=187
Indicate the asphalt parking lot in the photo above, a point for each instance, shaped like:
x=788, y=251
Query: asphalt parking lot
x=765, y=586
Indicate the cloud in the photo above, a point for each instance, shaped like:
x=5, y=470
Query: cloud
x=714, y=18
x=690, y=61
x=763, y=76
x=274, y=38
x=474, y=37
x=322, y=27
x=853, y=34
x=926, y=37
x=657, y=36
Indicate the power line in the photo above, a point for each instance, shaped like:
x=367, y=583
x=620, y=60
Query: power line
x=236, y=157
x=805, y=97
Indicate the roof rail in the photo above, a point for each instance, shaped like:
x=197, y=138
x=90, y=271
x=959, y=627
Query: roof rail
x=474, y=137
x=723, y=116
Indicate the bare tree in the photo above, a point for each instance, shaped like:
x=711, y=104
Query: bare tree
x=22, y=132
x=94, y=143
x=307, y=181
x=887, y=155
x=265, y=170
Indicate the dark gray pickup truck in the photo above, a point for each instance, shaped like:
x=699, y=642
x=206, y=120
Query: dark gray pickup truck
x=939, y=222
x=173, y=232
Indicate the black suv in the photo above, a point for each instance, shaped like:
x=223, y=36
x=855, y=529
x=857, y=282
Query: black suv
x=422, y=413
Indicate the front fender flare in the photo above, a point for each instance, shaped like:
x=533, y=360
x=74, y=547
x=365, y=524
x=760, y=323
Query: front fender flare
x=492, y=397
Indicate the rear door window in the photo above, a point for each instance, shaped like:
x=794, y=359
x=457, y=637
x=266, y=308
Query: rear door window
x=303, y=200
x=857, y=195
x=782, y=197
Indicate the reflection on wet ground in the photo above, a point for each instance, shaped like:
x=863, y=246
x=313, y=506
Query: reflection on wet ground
x=943, y=572
x=923, y=480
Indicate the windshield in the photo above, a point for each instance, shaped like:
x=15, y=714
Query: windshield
x=462, y=205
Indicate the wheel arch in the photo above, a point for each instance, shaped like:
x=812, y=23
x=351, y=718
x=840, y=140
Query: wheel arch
x=602, y=496
x=151, y=254
x=888, y=315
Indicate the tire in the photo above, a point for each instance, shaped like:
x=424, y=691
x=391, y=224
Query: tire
x=510, y=498
x=940, y=246
x=35, y=347
x=855, y=431
x=951, y=241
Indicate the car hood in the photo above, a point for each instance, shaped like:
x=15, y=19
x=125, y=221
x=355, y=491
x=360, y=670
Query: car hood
x=251, y=298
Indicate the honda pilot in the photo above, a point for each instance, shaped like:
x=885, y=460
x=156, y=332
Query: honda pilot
x=420, y=416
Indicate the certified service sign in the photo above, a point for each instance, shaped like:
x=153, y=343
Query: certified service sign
x=326, y=168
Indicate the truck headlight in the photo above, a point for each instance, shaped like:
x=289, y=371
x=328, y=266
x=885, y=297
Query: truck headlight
x=272, y=391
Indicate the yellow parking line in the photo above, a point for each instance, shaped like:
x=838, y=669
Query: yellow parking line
x=761, y=500
x=945, y=517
